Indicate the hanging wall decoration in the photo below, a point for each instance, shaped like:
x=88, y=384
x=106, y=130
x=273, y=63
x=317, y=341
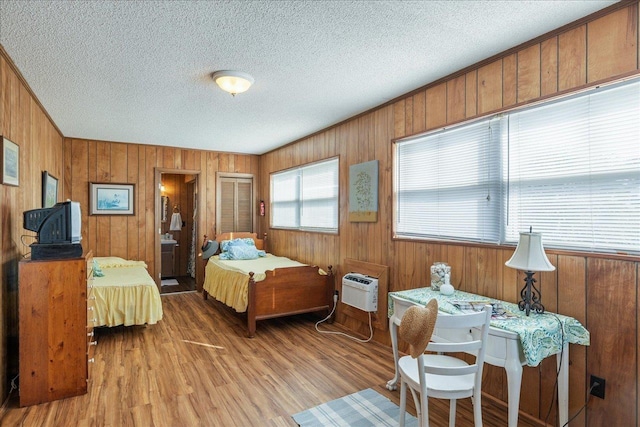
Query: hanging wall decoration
x=363, y=192
x=106, y=198
x=49, y=190
x=10, y=159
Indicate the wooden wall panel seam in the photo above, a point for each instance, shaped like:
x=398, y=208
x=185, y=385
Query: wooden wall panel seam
x=446, y=98
x=465, y=96
x=541, y=71
x=557, y=64
x=586, y=55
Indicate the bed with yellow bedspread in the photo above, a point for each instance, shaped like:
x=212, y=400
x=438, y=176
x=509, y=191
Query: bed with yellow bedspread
x=227, y=281
x=267, y=287
x=126, y=294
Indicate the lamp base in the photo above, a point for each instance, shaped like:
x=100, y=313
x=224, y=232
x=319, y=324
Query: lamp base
x=531, y=296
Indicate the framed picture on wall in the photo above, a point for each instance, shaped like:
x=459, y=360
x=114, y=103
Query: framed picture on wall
x=49, y=190
x=10, y=157
x=363, y=192
x=106, y=198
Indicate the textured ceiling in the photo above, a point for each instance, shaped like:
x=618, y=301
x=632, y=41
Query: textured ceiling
x=140, y=71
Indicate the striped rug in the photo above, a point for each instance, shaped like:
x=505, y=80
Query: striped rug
x=366, y=408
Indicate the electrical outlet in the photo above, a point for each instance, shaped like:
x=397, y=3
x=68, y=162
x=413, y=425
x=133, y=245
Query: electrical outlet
x=597, y=390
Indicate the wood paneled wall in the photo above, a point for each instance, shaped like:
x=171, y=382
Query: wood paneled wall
x=601, y=292
x=25, y=122
x=134, y=237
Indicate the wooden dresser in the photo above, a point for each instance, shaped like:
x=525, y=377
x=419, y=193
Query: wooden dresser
x=55, y=328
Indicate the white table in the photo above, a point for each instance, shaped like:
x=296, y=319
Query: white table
x=504, y=349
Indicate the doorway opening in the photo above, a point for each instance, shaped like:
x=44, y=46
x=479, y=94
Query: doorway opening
x=177, y=230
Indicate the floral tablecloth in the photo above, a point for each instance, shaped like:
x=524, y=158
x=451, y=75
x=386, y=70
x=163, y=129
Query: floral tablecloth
x=540, y=334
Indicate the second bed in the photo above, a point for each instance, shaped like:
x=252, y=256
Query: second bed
x=268, y=286
x=125, y=293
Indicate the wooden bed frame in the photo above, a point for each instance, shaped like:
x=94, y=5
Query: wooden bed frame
x=285, y=291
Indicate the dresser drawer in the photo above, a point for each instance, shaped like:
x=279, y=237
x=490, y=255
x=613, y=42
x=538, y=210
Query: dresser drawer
x=92, y=343
x=52, y=308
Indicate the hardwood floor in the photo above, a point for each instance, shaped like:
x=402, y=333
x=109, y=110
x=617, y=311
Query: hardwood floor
x=197, y=368
x=185, y=284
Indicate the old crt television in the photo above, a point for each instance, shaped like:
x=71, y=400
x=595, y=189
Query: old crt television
x=58, y=230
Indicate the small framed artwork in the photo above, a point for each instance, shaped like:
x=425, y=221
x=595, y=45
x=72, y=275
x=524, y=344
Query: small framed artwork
x=10, y=163
x=106, y=198
x=49, y=190
x=363, y=192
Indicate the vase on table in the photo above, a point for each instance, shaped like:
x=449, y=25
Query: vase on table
x=438, y=272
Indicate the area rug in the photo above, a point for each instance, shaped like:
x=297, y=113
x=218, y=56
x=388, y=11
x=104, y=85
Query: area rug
x=169, y=282
x=366, y=408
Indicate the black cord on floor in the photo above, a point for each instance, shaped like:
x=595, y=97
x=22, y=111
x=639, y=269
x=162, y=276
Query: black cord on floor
x=595, y=384
x=13, y=387
x=555, y=384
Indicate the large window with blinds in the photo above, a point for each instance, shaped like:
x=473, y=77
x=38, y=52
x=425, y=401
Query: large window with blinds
x=306, y=197
x=569, y=169
x=448, y=184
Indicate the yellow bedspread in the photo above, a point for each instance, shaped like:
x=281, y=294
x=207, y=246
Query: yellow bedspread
x=126, y=294
x=228, y=281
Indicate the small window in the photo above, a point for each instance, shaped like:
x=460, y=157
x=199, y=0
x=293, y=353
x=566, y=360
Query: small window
x=306, y=197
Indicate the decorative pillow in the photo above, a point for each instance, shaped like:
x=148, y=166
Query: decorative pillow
x=242, y=252
x=245, y=241
x=97, y=271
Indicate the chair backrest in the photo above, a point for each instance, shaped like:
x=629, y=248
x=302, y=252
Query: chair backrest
x=457, y=333
x=400, y=306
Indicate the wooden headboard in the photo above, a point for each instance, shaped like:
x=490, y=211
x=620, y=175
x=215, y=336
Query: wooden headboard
x=260, y=243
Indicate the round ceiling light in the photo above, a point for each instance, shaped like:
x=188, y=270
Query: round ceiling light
x=233, y=81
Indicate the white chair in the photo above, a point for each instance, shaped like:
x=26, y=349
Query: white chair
x=445, y=376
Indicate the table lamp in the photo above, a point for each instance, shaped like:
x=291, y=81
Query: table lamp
x=530, y=257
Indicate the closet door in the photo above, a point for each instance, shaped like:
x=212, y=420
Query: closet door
x=234, y=203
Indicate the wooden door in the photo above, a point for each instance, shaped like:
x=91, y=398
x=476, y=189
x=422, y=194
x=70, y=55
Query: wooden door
x=234, y=203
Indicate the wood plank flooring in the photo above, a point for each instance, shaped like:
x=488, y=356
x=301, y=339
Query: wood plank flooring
x=197, y=368
x=185, y=284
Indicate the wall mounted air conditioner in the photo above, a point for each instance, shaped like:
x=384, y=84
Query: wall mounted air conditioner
x=360, y=291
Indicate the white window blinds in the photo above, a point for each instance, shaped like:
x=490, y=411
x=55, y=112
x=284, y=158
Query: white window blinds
x=573, y=171
x=306, y=197
x=568, y=168
x=285, y=199
x=448, y=184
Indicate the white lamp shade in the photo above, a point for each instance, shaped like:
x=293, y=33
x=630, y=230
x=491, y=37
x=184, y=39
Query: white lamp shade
x=529, y=255
x=233, y=81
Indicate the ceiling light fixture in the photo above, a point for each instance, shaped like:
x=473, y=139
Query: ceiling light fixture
x=233, y=81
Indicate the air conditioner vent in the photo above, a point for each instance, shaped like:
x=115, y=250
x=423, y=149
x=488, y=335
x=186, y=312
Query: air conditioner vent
x=360, y=291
